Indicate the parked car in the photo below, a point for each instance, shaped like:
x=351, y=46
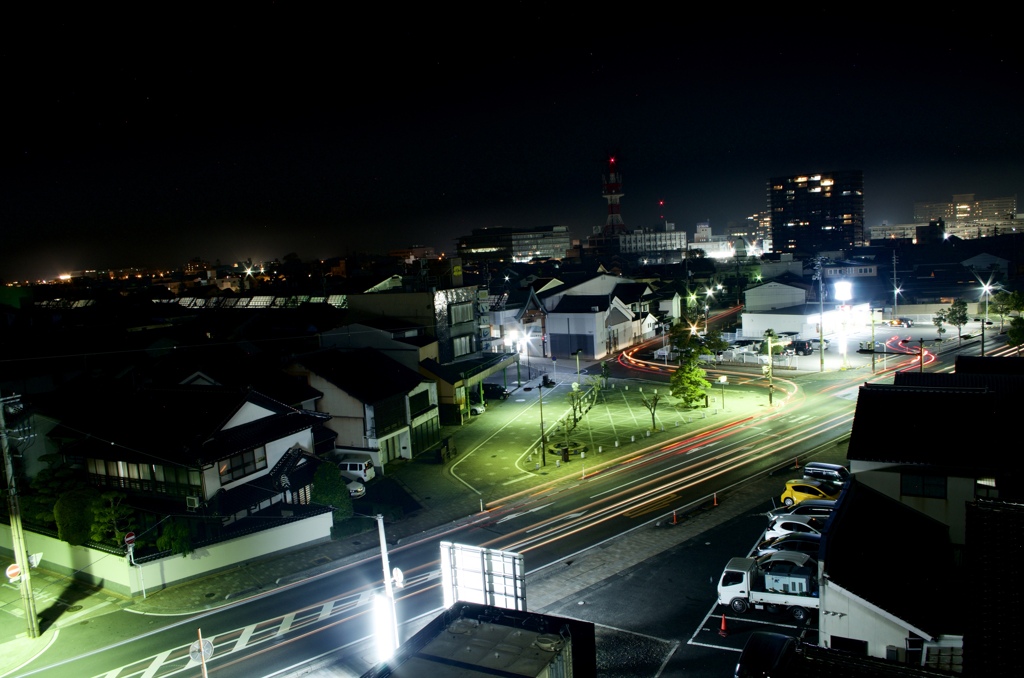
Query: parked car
x=357, y=467
x=808, y=488
x=495, y=392
x=808, y=507
x=356, y=489
x=833, y=473
x=807, y=543
x=802, y=347
x=477, y=408
x=815, y=343
x=794, y=524
x=900, y=322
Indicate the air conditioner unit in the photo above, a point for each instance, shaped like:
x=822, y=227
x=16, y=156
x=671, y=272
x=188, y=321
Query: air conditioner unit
x=192, y=503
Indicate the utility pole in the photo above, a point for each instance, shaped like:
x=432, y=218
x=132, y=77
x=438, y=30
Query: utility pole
x=543, y=438
x=895, y=289
x=819, y=274
x=17, y=532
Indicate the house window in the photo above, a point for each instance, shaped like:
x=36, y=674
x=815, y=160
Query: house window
x=242, y=465
x=921, y=485
x=985, y=488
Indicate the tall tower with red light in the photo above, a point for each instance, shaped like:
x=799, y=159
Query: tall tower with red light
x=613, y=194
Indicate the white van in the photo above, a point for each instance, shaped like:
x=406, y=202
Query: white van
x=357, y=467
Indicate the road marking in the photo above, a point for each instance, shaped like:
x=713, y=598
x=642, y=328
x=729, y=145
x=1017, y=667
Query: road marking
x=571, y=516
x=523, y=513
x=158, y=661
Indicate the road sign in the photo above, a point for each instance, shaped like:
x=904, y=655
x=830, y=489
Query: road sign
x=129, y=538
x=13, y=571
x=200, y=652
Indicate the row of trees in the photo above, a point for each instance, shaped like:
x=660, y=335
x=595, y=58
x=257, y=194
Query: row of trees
x=1002, y=304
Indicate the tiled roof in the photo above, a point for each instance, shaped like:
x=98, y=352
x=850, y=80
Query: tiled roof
x=366, y=374
x=181, y=425
x=583, y=303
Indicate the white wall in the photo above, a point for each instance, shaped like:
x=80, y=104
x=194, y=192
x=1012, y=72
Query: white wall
x=113, y=572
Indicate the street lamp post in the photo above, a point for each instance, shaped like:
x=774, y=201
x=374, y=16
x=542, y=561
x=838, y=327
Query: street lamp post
x=920, y=351
x=577, y=354
x=543, y=440
x=723, y=380
x=771, y=366
x=387, y=631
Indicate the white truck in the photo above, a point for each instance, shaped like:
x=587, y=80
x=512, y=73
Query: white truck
x=785, y=580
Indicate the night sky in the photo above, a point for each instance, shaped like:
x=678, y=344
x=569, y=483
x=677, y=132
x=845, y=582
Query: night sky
x=137, y=140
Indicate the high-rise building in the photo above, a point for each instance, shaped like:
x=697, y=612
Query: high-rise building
x=967, y=216
x=822, y=212
x=515, y=244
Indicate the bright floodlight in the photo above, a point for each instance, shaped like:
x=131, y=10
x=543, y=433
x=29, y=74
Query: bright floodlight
x=844, y=290
x=383, y=627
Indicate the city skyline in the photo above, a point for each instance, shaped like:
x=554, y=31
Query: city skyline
x=268, y=134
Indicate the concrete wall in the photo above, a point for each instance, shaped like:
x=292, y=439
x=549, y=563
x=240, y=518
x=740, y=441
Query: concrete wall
x=112, y=571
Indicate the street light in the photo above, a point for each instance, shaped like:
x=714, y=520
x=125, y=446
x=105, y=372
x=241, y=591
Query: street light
x=385, y=614
x=920, y=350
x=577, y=354
x=723, y=380
x=984, y=321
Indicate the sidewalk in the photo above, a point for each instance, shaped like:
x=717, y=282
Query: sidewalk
x=496, y=465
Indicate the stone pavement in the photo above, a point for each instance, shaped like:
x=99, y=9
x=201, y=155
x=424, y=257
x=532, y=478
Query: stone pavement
x=490, y=466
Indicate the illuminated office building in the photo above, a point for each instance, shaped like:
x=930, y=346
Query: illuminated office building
x=812, y=213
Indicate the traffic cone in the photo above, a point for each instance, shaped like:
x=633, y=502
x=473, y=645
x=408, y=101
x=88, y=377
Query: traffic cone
x=716, y=499
x=722, y=632
x=673, y=516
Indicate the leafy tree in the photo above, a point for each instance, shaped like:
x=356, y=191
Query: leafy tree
x=651, y=403
x=175, y=537
x=73, y=512
x=938, y=319
x=329, y=489
x=688, y=381
x=956, y=315
x=777, y=347
x=1004, y=303
x=1015, y=335
x=714, y=342
x=47, y=487
x=112, y=518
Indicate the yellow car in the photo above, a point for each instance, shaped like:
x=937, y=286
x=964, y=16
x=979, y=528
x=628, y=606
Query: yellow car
x=806, y=488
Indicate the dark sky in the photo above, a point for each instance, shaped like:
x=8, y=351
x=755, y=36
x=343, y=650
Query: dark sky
x=148, y=140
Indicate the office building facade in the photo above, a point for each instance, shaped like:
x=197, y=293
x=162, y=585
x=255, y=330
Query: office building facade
x=812, y=213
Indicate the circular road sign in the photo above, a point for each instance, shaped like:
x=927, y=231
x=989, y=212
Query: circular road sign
x=199, y=653
x=13, y=571
x=129, y=538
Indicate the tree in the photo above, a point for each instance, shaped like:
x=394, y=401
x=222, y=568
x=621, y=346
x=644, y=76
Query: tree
x=175, y=537
x=1015, y=335
x=938, y=319
x=956, y=315
x=776, y=345
x=49, y=485
x=74, y=515
x=329, y=489
x=1004, y=303
x=714, y=342
x=688, y=381
x=112, y=518
x=651, y=403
